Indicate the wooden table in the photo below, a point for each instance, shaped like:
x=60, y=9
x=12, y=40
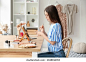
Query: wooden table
x=16, y=51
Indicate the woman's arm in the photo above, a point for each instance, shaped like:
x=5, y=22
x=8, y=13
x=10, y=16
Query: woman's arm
x=43, y=30
x=46, y=38
x=45, y=33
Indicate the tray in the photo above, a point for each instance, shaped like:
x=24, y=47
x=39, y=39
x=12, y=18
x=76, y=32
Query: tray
x=27, y=46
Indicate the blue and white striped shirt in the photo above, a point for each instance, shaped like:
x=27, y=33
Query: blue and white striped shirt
x=55, y=34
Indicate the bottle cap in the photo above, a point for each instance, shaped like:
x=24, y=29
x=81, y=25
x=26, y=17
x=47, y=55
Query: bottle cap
x=6, y=41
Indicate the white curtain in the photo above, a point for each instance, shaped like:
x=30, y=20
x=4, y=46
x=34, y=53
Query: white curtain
x=0, y=10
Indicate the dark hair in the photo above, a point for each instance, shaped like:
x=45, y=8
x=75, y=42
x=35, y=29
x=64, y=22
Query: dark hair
x=53, y=15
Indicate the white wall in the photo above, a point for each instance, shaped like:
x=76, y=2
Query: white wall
x=6, y=11
x=79, y=22
x=83, y=21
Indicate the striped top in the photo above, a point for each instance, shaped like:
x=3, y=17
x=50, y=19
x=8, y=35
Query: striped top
x=55, y=34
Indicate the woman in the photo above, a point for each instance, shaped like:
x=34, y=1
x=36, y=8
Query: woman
x=55, y=34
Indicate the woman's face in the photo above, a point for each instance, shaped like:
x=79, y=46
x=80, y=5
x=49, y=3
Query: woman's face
x=47, y=16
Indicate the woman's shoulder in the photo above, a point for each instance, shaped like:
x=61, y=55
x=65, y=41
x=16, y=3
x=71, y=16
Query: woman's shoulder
x=55, y=26
x=58, y=24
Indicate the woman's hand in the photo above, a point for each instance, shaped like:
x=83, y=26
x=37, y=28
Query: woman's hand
x=19, y=28
x=19, y=25
x=42, y=29
x=39, y=33
x=23, y=23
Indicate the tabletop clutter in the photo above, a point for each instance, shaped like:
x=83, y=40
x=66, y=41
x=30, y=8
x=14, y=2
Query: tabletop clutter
x=18, y=39
x=7, y=44
x=10, y=43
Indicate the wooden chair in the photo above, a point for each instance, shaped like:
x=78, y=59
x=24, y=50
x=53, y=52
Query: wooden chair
x=70, y=44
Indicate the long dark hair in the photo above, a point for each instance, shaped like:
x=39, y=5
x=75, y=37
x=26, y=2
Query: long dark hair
x=53, y=15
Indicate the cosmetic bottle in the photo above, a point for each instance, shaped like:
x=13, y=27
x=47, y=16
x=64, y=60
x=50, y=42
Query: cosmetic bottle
x=9, y=43
x=6, y=44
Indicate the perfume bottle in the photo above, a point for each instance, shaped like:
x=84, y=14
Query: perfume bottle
x=6, y=44
x=33, y=10
x=9, y=43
